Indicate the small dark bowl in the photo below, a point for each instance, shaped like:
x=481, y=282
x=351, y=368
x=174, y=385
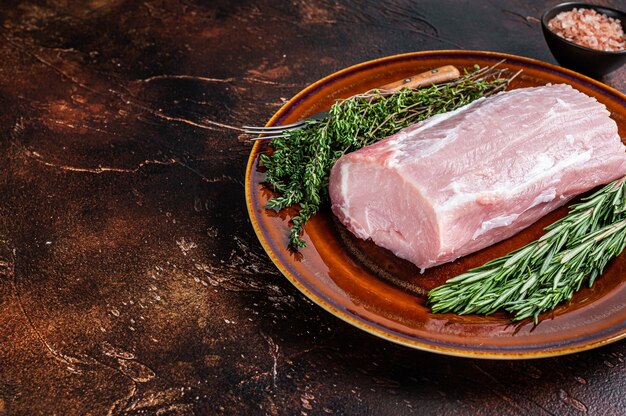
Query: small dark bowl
x=588, y=61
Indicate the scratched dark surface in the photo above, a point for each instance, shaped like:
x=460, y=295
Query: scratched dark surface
x=131, y=280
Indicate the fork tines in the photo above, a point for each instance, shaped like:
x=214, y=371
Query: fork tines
x=274, y=129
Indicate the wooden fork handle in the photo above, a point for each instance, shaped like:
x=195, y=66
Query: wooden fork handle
x=425, y=79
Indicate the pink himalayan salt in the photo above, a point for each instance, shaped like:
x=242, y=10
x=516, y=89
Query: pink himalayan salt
x=588, y=28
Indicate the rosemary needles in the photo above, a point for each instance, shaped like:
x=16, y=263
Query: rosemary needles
x=298, y=165
x=546, y=272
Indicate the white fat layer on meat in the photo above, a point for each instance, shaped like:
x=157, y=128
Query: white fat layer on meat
x=501, y=221
x=344, y=207
x=430, y=146
x=545, y=168
x=560, y=105
x=542, y=164
x=368, y=225
x=563, y=103
x=506, y=220
x=345, y=201
x=546, y=196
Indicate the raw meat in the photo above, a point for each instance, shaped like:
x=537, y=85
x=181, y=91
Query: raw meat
x=461, y=181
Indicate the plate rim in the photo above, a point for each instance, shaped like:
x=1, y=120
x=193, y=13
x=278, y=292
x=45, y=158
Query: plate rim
x=362, y=324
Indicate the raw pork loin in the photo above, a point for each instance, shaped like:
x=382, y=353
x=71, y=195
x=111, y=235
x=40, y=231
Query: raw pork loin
x=461, y=181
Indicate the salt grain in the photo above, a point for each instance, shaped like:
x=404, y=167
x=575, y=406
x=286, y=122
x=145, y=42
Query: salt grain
x=588, y=28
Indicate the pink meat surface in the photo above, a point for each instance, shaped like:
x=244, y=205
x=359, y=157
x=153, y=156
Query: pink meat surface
x=461, y=181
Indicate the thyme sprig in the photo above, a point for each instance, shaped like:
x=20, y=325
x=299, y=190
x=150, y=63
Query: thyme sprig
x=298, y=165
x=548, y=271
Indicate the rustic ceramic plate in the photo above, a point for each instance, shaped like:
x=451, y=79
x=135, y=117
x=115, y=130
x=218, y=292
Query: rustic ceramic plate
x=371, y=289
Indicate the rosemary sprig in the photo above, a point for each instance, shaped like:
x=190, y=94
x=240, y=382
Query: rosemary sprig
x=548, y=271
x=298, y=167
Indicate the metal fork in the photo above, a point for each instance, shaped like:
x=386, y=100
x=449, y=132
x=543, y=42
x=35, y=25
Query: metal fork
x=298, y=125
x=434, y=76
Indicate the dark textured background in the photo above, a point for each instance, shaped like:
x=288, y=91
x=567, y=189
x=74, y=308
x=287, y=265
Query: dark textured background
x=131, y=280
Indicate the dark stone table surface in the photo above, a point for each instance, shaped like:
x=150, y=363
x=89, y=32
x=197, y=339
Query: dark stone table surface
x=131, y=279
